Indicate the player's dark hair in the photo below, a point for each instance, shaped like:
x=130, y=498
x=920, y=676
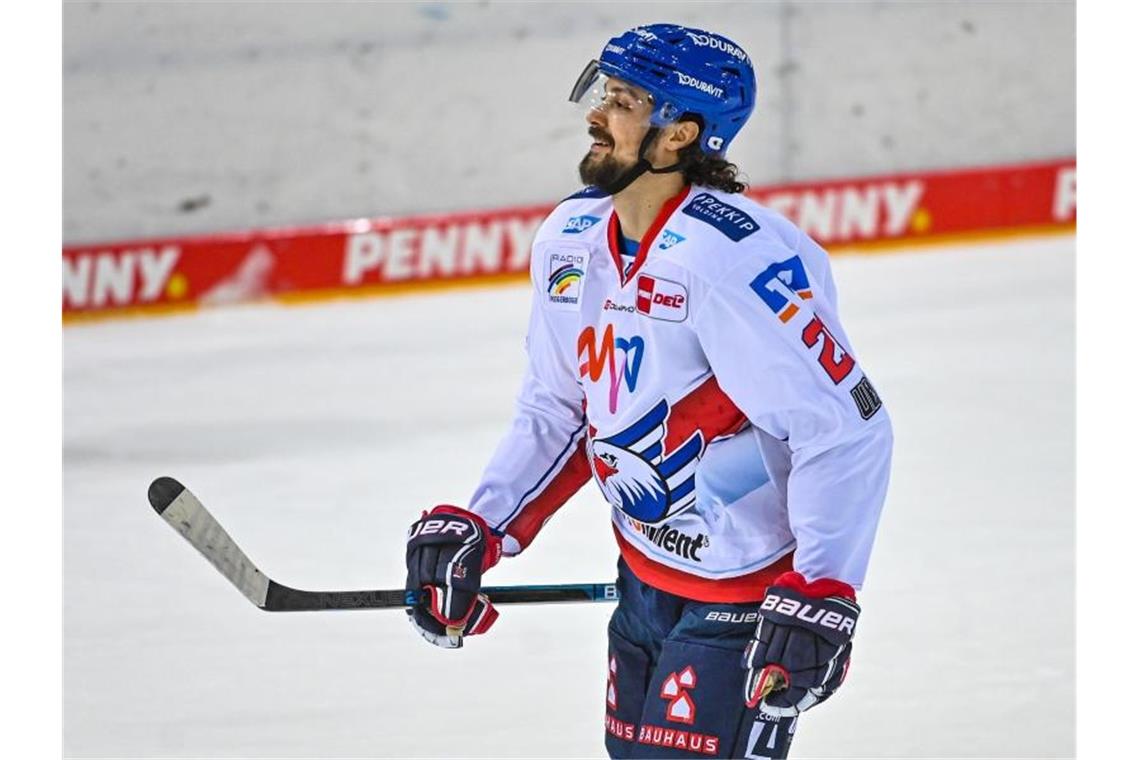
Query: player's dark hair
x=702, y=169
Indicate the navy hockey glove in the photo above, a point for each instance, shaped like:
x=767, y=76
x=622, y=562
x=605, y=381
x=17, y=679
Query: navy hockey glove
x=799, y=654
x=449, y=549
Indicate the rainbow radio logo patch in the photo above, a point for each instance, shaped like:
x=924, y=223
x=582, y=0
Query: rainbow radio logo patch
x=565, y=271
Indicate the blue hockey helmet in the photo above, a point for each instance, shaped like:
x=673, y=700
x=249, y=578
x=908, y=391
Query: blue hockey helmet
x=686, y=71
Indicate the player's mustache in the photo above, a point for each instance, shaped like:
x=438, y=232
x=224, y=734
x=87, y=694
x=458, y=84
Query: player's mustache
x=598, y=134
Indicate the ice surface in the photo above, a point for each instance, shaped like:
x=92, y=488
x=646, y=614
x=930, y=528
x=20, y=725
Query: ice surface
x=315, y=434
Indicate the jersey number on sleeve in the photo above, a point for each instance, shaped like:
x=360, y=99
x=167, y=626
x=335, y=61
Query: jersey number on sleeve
x=834, y=358
x=785, y=282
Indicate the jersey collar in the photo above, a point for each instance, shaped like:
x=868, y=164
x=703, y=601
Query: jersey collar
x=613, y=235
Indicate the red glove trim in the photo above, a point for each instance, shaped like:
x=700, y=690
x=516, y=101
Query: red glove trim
x=435, y=608
x=487, y=616
x=494, y=551
x=817, y=589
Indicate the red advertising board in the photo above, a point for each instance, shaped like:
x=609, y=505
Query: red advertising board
x=390, y=254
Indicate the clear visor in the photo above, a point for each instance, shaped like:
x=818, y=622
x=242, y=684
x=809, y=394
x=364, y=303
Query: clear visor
x=596, y=91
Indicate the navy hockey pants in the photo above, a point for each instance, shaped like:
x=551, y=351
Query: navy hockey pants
x=675, y=686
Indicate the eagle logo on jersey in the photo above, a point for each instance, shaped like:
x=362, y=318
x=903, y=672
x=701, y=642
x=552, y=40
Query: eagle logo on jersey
x=640, y=478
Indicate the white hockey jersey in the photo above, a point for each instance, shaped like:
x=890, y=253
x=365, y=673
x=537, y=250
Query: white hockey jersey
x=709, y=391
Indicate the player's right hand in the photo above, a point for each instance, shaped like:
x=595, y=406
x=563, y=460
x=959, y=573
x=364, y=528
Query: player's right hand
x=449, y=549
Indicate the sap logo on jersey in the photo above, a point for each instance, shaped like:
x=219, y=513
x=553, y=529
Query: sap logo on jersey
x=669, y=239
x=576, y=224
x=638, y=476
x=565, y=270
x=730, y=220
x=662, y=299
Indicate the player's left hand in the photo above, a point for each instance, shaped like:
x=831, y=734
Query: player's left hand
x=799, y=654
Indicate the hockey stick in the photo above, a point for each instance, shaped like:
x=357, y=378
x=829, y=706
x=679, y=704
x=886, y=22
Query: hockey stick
x=177, y=506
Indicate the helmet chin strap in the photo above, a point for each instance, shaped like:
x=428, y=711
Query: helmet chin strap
x=642, y=166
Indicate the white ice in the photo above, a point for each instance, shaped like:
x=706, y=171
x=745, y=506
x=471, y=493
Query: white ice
x=315, y=434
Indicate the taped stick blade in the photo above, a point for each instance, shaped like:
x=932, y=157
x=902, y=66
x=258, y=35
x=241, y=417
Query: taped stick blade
x=182, y=510
x=162, y=492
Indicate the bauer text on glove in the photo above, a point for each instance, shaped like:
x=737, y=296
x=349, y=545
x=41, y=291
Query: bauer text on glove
x=799, y=654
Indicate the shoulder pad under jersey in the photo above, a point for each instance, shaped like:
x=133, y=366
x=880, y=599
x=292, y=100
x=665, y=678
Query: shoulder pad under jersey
x=589, y=191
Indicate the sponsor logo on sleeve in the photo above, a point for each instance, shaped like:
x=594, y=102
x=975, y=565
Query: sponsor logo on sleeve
x=866, y=399
x=576, y=224
x=565, y=270
x=662, y=299
x=734, y=223
x=780, y=287
x=670, y=239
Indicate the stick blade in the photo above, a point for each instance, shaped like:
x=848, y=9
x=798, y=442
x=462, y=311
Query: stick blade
x=162, y=493
x=182, y=510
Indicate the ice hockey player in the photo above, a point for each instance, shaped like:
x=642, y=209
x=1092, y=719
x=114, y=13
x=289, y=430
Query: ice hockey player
x=684, y=351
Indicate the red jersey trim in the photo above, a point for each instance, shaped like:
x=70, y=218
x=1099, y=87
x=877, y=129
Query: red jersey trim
x=742, y=588
x=646, y=242
x=562, y=486
x=820, y=588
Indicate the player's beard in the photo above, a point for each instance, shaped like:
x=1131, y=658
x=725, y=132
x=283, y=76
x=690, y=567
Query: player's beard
x=600, y=171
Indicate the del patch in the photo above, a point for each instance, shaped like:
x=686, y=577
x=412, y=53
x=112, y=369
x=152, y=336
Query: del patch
x=730, y=220
x=565, y=270
x=662, y=299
